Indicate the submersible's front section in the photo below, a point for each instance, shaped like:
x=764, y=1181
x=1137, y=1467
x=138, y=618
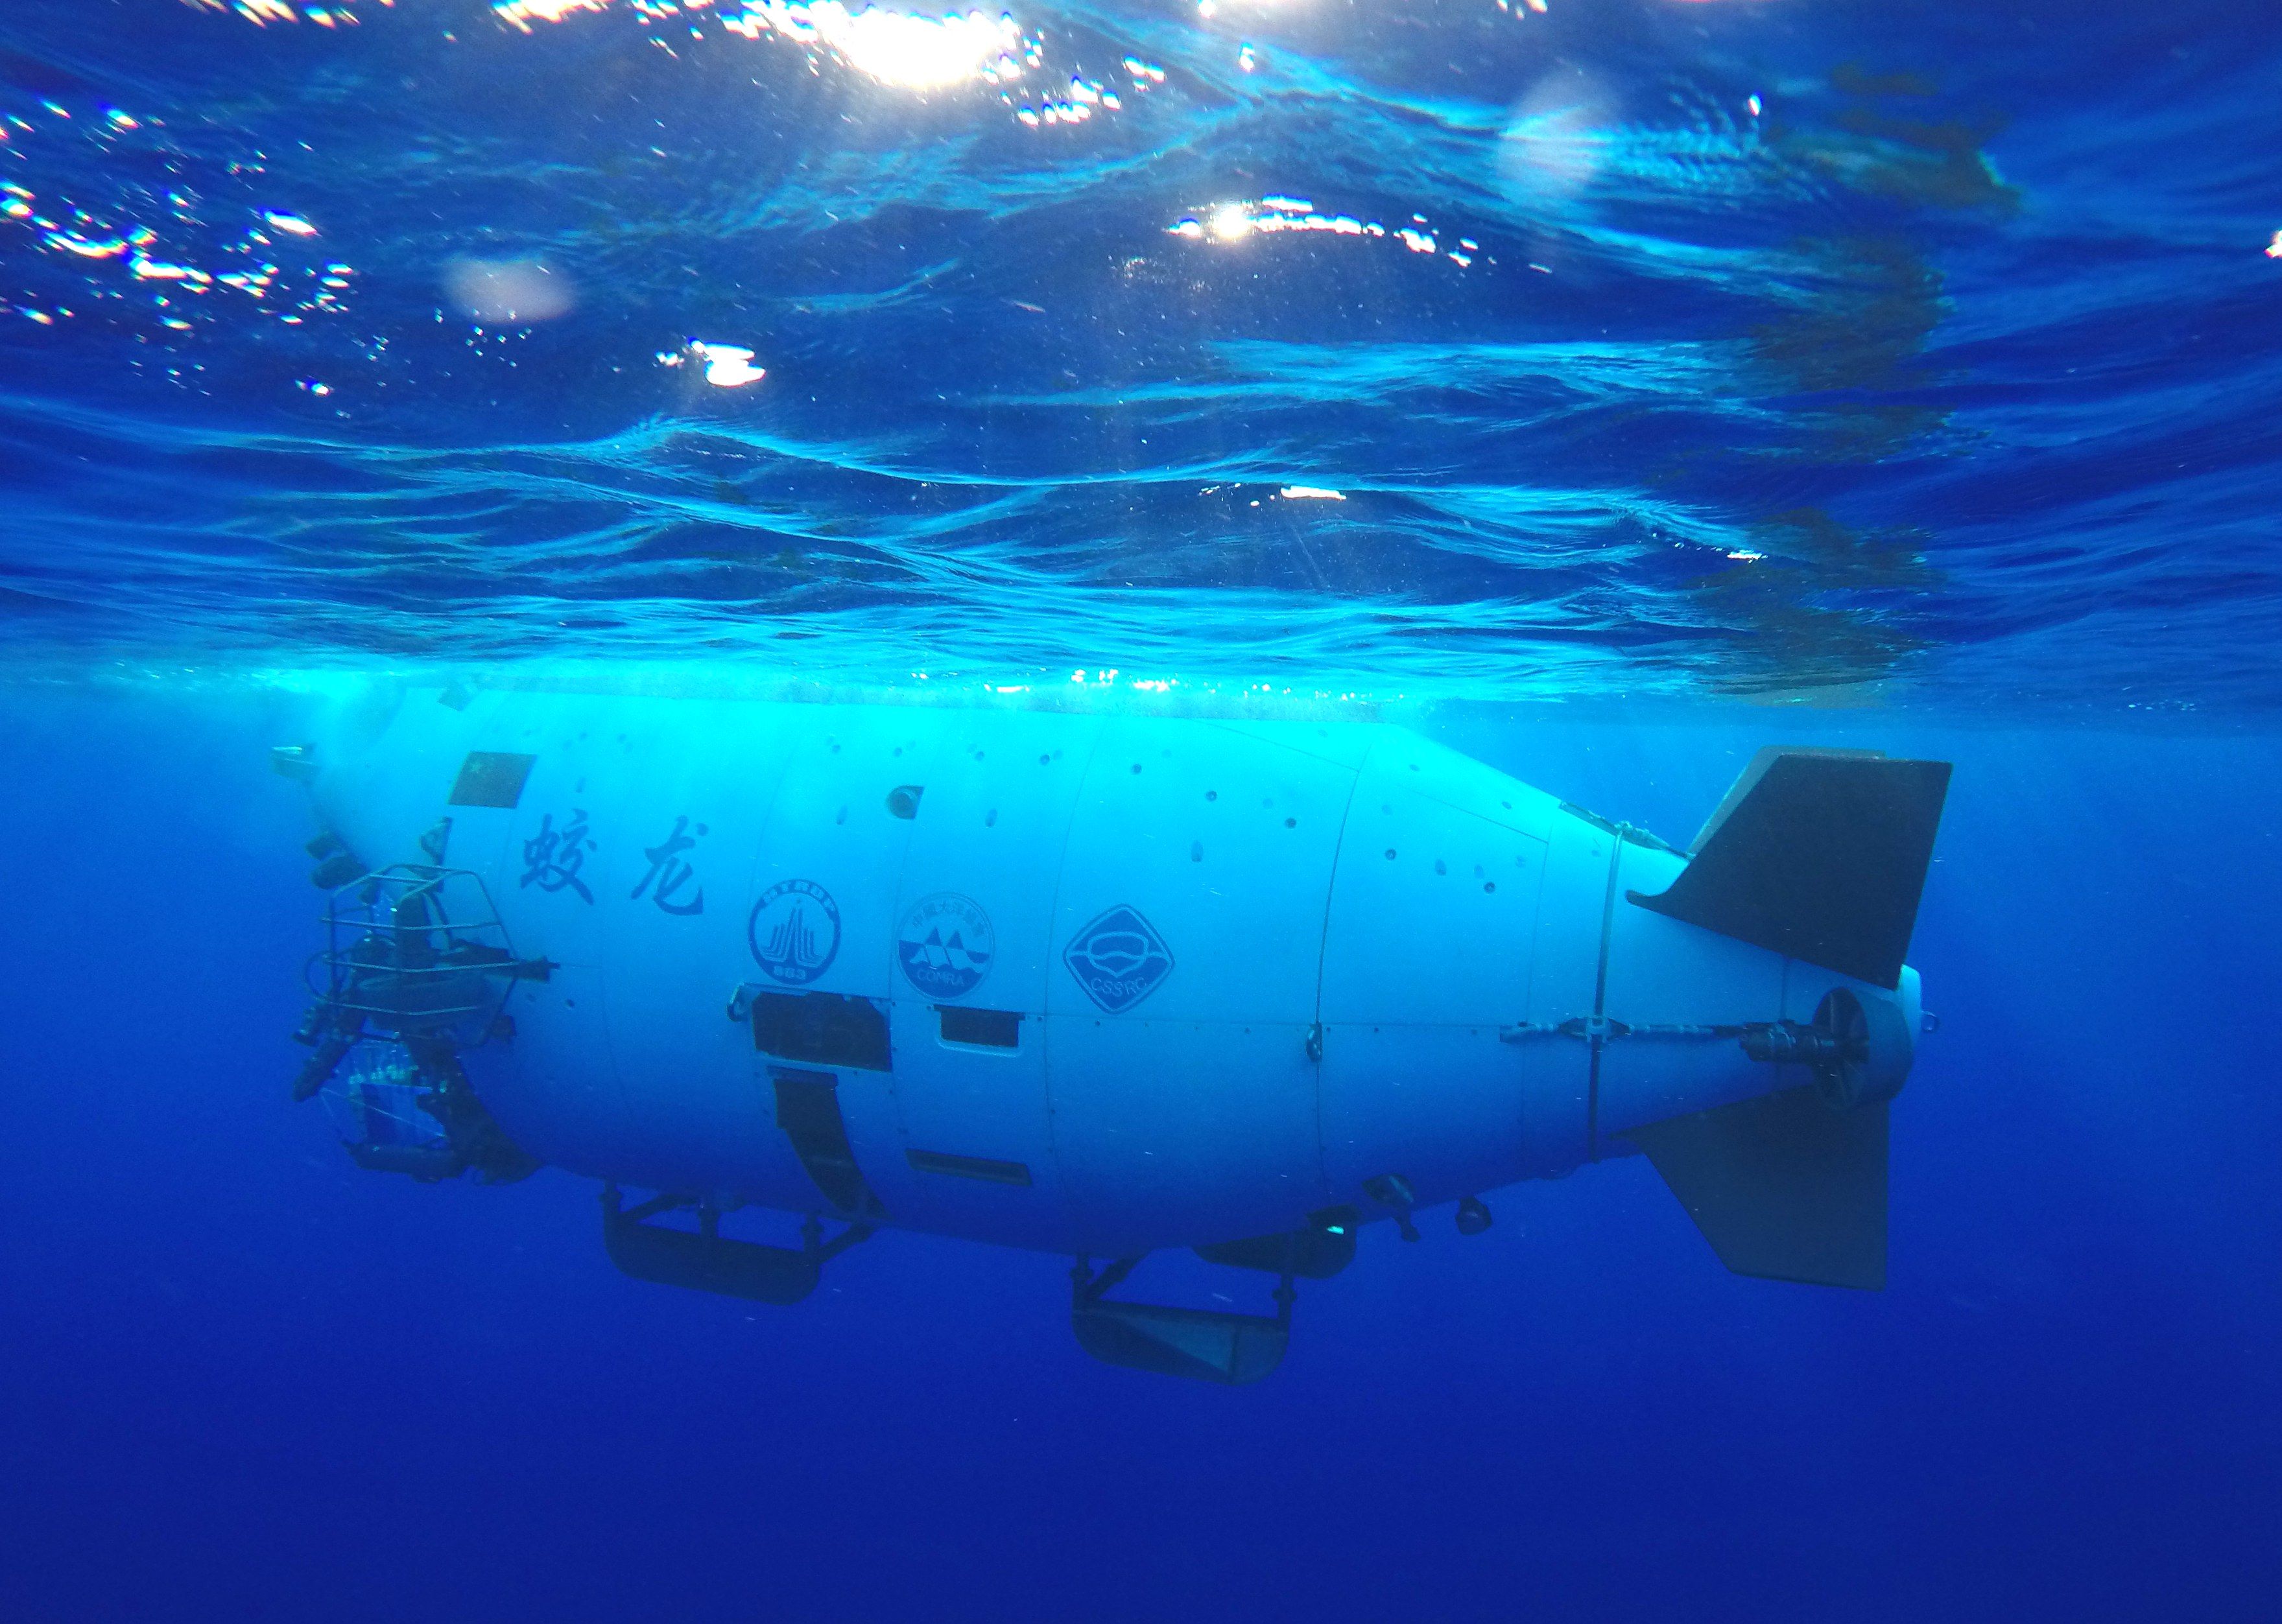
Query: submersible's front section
x=1106, y=984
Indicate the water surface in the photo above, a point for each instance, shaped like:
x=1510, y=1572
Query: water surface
x=1616, y=345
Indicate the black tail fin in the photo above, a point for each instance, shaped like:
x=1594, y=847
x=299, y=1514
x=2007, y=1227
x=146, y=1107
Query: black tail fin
x=1819, y=855
x=1782, y=1187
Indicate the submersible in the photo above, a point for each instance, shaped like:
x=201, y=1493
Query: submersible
x=1094, y=985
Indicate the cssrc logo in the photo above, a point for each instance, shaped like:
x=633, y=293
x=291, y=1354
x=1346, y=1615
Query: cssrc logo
x=1118, y=959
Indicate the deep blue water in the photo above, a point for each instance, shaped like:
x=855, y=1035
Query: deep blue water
x=240, y=1379
x=1757, y=371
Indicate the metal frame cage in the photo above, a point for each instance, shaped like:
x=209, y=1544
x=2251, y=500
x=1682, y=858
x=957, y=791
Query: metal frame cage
x=417, y=952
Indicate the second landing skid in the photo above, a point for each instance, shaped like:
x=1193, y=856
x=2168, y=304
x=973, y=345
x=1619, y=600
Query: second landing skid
x=1201, y=1344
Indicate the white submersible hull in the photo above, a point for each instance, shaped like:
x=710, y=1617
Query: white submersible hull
x=1095, y=985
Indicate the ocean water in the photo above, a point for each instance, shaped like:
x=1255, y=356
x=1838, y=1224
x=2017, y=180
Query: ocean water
x=1605, y=388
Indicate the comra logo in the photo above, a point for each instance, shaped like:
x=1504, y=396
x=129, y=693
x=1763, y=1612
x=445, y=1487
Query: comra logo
x=946, y=944
x=1119, y=959
x=794, y=930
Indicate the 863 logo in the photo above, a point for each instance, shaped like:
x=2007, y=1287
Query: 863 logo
x=794, y=930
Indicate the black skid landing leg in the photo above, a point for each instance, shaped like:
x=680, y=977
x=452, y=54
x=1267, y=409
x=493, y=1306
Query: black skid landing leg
x=1198, y=1344
x=707, y=1260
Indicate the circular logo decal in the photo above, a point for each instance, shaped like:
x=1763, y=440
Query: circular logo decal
x=794, y=930
x=946, y=944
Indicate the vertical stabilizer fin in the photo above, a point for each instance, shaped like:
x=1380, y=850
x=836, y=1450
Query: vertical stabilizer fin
x=1818, y=855
x=1782, y=1186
